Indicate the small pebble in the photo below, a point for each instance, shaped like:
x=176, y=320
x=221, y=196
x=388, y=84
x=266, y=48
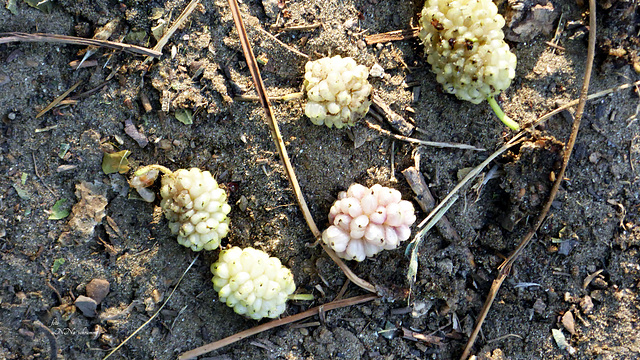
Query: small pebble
x=157, y=296
x=97, y=289
x=165, y=144
x=26, y=333
x=539, y=306
x=568, y=322
x=87, y=305
x=586, y=304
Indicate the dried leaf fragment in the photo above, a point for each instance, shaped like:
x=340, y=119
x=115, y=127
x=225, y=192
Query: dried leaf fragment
x=133, y=132
x=60, y=210
x=185, y=116
x=116, y=162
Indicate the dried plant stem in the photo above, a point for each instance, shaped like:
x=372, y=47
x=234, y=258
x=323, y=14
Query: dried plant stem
x=282, y=151
x=293, y=50
x=287, y=97
x=573, y=103
x=156, y=313
x=275, y=323
x=57, y=100
x=472, y=174
x=422, y=142
x=392, y=36
x=176, y=24
x=505, y=267
x=64, y=39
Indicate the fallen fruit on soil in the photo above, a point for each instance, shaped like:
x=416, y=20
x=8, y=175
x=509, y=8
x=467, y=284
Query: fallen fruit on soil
x=252, y=283
x=337, y=91
x=465, y=46
x=193, y=203
x=365, y=221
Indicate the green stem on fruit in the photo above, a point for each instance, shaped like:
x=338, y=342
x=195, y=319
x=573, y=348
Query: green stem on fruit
x=501, y=115
x=145, y=169
x=302, y=297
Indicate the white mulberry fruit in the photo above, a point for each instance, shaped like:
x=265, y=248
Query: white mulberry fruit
x=195, y=207
x=337, y=91
x=252, y=283
x=365, y=221
x=465, y=46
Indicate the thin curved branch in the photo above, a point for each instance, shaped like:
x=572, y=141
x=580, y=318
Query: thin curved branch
x=282, y=151
x=505, y=267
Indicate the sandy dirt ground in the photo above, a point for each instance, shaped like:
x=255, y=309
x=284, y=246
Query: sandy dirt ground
x=578, y=279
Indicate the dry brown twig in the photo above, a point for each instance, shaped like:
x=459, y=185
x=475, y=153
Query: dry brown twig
x=275, y=323
x=58, y=99
x=282, y=151
x=293, y=50
x=422, y=142
x=395, y=35
x=176, y=24
x=505, y=267
x=72, y=40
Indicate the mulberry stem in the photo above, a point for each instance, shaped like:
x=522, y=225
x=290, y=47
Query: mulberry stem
x=146, y=169
x=501, y=115
x=303, y=297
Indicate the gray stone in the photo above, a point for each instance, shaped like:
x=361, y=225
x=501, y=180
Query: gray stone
x=87, y=305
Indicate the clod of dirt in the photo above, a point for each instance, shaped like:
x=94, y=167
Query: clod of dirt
x=527, y=178
x=85, y=214
x=586, y=304
x=87, y=305
x=336, y=344
x=97, y=289
x=271, y=8
x=529, y=18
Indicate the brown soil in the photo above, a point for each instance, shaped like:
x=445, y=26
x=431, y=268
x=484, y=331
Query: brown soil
x=593, y=226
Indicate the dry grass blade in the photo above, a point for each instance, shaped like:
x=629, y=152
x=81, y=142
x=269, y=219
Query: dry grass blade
x=64, y=39
x=57, y=100
x=505, y=267
x=282, y=151
x=471, y=175
x=422, y=142
x=293, y=50
x=176, y=24
x=156, y=313
x=275, y=323
x=392, y=36
x=573, y=103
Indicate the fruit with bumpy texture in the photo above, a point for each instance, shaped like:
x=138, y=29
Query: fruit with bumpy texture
x=365, y=221
x=337, y=91
x=465, y=46
x=252, y=283
x=196, y=208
